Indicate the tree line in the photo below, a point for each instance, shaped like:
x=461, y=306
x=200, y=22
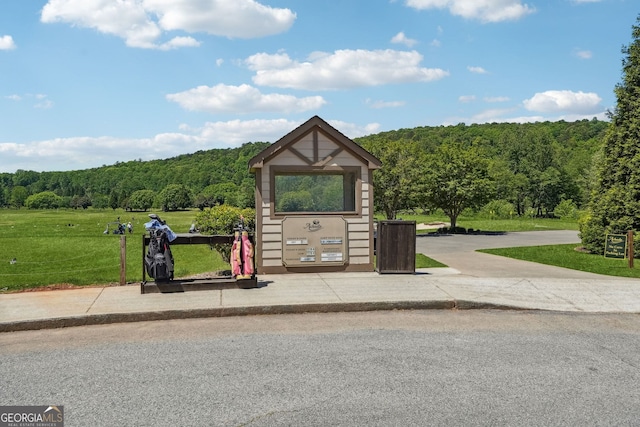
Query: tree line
x=201, y=179
x=518, y=169
x=506, y=168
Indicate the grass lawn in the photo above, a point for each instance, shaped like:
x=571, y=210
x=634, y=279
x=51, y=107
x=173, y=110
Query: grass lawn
x=423, y=261
x=515, y=224
x=69, y=247
x=566, y=256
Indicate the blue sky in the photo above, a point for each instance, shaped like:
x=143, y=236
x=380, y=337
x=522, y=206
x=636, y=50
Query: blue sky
x=86, y=83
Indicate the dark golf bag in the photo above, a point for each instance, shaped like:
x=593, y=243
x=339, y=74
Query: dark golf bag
x=159, y=261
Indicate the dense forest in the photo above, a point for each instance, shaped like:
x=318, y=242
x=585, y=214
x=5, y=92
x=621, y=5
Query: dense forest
x=513, y=169
x=527, y=167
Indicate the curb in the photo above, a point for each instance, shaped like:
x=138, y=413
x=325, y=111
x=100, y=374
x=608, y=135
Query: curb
x=109, y=318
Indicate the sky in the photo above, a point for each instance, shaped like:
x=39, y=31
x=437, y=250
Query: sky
x=87, y=83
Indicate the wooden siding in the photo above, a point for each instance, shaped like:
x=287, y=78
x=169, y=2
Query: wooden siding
x=304, y=153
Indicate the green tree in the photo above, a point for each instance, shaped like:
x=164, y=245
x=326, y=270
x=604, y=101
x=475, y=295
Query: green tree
x=225, y=193
x=397, y=183
x=174, y=197
x=457, y=178
x=100, y=201
x=295, y=201
x=3, y=195
x=114, y=200
x=19, y=195
x=80, y=202
x=44, y=200
x=142, y=200
x=615, y=202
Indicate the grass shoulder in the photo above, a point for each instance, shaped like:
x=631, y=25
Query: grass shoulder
x=568, y=257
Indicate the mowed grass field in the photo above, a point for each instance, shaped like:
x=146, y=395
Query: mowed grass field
x=60, y=247
x=69, y=247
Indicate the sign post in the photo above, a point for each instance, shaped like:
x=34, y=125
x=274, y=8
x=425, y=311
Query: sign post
x=630, y=246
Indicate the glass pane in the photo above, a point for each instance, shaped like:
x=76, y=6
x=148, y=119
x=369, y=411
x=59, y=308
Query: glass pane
x=314, y=192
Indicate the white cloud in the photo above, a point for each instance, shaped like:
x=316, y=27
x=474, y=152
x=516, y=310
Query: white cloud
x=477, y=70
x=384, y=104
x=583, y=54
x=467, y=98
x=235, y=19
x=7, y=43
x=435, y=43
x=178, y=42
x=564, y=101
x=352, y=130
x=493, y=115
x=126, y=19
x=506, y=115
x=41, y=101
x=242, y=99
x=401, y=38
x=496, y=99
x=341, y=69
x=141, y=23
x=87, y=152
x=482, y=10
x=44, y=104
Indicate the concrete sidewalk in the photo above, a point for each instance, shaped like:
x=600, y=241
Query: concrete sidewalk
x=438, y=288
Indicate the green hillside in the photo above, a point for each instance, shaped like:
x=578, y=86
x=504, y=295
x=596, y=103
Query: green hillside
x=527, y=155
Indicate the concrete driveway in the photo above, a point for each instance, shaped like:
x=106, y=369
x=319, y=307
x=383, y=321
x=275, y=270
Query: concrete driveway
x=458, y=251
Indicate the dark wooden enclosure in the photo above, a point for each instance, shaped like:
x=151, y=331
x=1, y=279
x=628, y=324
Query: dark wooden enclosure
x=396, y=247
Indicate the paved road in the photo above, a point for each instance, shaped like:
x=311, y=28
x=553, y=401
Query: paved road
x=348, y=369
x=459, y=252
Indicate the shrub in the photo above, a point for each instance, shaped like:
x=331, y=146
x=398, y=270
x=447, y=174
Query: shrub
x=452, y=230
x=44, y=200
x=221, y=220
x=566, y=209
x=498, y=209
x=591, y=233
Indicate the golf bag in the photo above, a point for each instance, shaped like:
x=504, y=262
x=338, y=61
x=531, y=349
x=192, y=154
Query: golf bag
x=242, y=253
x=158, y=261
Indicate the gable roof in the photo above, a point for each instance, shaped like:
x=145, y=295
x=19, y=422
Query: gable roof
x=295, y=135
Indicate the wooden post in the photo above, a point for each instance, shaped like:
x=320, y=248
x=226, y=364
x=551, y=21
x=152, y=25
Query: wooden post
x=630, y=247
x=144, y=276
x=123, y=260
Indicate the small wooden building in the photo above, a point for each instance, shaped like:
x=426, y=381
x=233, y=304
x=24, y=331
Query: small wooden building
x=314, y=202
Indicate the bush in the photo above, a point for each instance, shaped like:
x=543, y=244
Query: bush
x=44, y=200
x=591, y=234
x=452, y=230
x=566, y=209
x=498, y=209
x=221, y=220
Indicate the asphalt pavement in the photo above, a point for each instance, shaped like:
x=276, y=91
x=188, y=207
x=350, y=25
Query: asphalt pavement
x=471, y=280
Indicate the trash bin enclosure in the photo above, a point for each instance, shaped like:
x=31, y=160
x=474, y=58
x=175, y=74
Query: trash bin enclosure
x=396, y=247
x=314, y=202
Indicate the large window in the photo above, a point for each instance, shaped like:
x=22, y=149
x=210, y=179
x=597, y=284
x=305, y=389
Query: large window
x=317, y=191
